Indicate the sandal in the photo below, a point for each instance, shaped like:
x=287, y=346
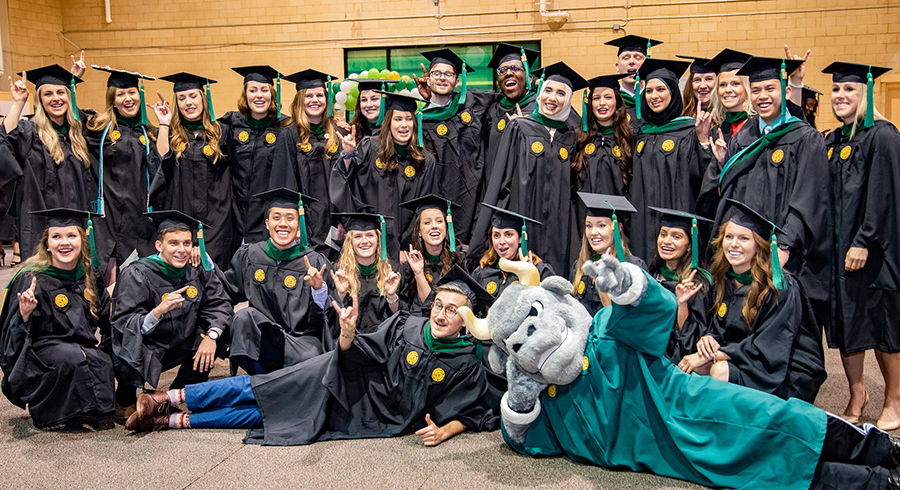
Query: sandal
x=14, y=262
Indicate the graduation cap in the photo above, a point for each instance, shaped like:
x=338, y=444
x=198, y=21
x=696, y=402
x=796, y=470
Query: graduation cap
x=170, y=219
x=127, y=79
x=743, y=215
x=366, y=222
x=60, y=217
x=457, y=277
x=760, y=69
x=853, y=72
x=672, y=218
x=603, y=81
x=402, y=102
x=810, y=93
x=699, y=65
x=504, y=219
x=657, y=68
x=282, y=197
x=727, y=60
x=377, y=84
x=434, y=201
x=506, y=52
x=606, y=206
x=56, y=75
x=310, y=78
x=560, y=72
x=262, y=74
x=448, y=57
x=634, y=43
x=183, y=82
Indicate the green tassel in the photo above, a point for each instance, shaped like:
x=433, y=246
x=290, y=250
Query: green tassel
x=144, y=120
x=777, y=273
x=95, y=259
x=450, y=230
x=212, y=112
x=537, y=102
x=204, y=259
x=527, y=68
x=784, y=110
x=584, y=111
x=419, y=129
x=523, y=241
x=383, y=238
x=638, y=94
x=462, y=93
x=695, y=246
x=278, y=94
x=381, y=104
x=329, y=91
x=648, y=48
x=870, y=100
x=304, y=239
x=617, y=236
x=74, y=104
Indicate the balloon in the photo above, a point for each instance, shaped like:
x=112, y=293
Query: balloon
x=405, y=78
x=340, y=97
x=346, y=85
x=385, y=73
x=354, y=91
x=394, y=75
x=335, y=87
x=339, y=107
x=411, y=84
x=353, y=76
x=415, y=92
x=474, y=56
x=351, y=103
x=374, y=73
x=404, y=92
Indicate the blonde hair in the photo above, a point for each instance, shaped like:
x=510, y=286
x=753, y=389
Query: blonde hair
x=211, y=130
x=861, y=109
x=99, y=121
x=587, y=252
x=718, y=109
x=41, y=259
x=347, y=262
x=50, y=138
x=301, y=121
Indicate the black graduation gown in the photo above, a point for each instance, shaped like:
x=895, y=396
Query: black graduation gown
x=51, y=363
x=668, y=170
x=366, y=183
x=307, y=168
x=278, y=294
x=130, y=161
x=373, y=307
x=139, y=289
x=533, y=177
x=586, y=293
x=44, y=184
x=784, y=182
x=865, y=190
x=603, y=174
x=728, y=130
x=250, y=151
x=782, y=354
x=683, y=340
x=201, y=189
x=456, y=145
x=382, y=386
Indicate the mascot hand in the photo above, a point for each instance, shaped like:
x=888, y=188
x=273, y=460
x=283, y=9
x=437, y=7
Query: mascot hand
x=523, y=391
x=623, y=282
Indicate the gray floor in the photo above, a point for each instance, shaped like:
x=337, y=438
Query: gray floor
x=216, y=459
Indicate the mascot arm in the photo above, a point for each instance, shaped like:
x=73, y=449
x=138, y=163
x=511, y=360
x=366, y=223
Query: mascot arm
x=520, y=405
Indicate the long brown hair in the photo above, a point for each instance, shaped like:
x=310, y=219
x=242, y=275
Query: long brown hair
x=243, y=105
x=448, y=258
x=760, y=269
x=360, y=121
x=301, y=122
x=587, y=252
x=347, y=262
x=50, y=138
x=386, y=150
x=41, y=259
x=689, y=99
x=623, y=136
x=99, y=121
x=491, y=257
x=211, y=130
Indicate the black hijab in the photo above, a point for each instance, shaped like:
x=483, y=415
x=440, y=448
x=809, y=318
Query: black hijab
x=673, y=110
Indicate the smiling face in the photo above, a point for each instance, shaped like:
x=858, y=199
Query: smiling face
x=672, y=243
x=731, y=91
x=599, y=233
x=657, y=95
x=603, y=103
x=283, y=224
x=314, y=104
x=511, y=78
x=64, y=243
x=845, y=100
x=403, y=124
x=445, y=322
x=433, y=227
x=55, y=101
x=175, y=248
x=505, y=242
x=629, y=62
x=127, y=101
x=442, y=79
x=739, y=246
x=365, y=245
x=553, y=97
x=703, y=85
x=765, y=96
x=369, y=103
x=259, y=98
x=190, y=104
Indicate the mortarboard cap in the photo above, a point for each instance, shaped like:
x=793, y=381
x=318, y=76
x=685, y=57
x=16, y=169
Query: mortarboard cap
x=448, y=57
x=187, y=81
x=50, y=75
x=258, y=73
x=660, y=68
x=505, y=219
x=699, y=65
x=561, y=72
x=633, y=43
x=457, y=277
x=122, y=78
x=607, y=81
x=760, y=69
x=727, y=60
x=509, y=52
x=309, y=79
x=853, y=72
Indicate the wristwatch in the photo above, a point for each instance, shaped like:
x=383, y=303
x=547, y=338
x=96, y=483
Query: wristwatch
x=213, y=334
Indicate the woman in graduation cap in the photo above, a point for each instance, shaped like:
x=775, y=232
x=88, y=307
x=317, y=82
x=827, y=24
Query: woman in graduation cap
x=254, y=134
x=307, y=149
x=730, y=107
x=370, y=106
x=763, y=333
x=668, y=161
x=533, y=170
x=122, y=141
x=50, y=150
x=52, y=310
x=602, y=162
x=195, y=176
x=602, y=235
x=677, y=267
x=365, y=271
x=864, y=157
x=387, y=169
x=698, y=92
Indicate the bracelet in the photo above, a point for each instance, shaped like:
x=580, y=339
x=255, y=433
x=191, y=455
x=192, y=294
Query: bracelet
x=348, y=155
x=346, y=336
x=166, y=125
x=795, y=86
x=393, y=301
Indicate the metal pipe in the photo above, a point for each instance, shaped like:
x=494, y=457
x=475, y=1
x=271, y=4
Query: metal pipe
x=108, y=12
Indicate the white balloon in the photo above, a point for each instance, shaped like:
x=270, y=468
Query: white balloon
x=339, y=107
x=415, y=92
x=353, y=76
x=340, y=97
x=346, y=86
x=404, y=92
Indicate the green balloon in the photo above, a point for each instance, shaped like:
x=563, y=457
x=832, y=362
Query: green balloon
x=411, y=84
x=386, y=74
x=374, y=73
x=355, y=90
x=335, y=87
x=351, y=103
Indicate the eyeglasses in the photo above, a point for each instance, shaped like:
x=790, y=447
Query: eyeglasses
x=449, y=75
x=513, y=68
x=449, y=311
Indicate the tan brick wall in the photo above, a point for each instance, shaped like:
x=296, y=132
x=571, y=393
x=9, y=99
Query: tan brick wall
x=161, y=37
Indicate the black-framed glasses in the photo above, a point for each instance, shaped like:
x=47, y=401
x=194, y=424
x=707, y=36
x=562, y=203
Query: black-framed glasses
x=449, y=75
x=512, y=68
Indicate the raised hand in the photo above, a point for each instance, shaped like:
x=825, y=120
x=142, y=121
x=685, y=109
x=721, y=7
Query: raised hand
x=27, y=301
x=78, y=66
x=703, y=124
x=686, y=289
x=415, y=260
x=719, y=147
x=341, y=281
x=18, y=89
x=797, y=75
x=391, y=282
x=517, y=114
x=348, y=142
x=171, y=301
x=422, y=83
x=161, y=109
x=313, y=276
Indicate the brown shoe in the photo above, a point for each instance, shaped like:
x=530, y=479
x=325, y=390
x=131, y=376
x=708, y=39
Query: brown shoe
x=152, y=404
x=123, y=412
x=154, y=422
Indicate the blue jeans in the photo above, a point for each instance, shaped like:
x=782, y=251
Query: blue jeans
x=224, y=403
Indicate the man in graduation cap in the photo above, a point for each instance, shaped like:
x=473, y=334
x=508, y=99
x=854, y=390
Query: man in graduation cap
x=408, y=373
x=284, y=281
x=167, y=313
x=778, y=166
x=633, y=50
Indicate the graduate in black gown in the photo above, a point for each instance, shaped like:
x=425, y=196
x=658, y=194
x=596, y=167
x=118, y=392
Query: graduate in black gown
x=195, y=176
x=778, y=165
x=411, y=374
x=365, y=270
x=602, y=163
x=52, y=310
x=387, y=169
x=306, y=151
x=864, y=157
x=533, y=172
x=677, y=267
x=633, y=50
x=451, y=128
x=254, y=133
x=730, y=106
x=123, y=144
x=284, y=280
x=602, y=235
x=668, y=162
x=698, y=91
x=49, y=150
x=167, y=313
x=370, y=108
x=762, y=331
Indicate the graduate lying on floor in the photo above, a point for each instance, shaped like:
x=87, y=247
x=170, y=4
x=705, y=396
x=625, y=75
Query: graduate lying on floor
x=409, y=373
